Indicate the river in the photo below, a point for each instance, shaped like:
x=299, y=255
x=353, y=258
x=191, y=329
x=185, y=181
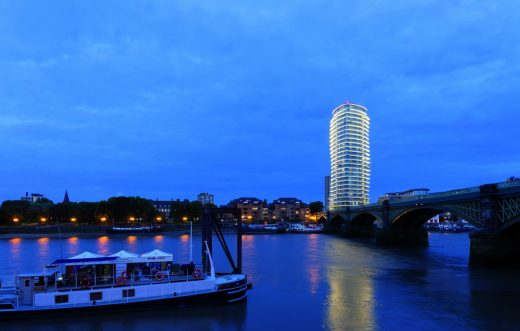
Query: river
x=305, y=282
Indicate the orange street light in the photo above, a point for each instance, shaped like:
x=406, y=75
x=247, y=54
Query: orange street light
x=103, y=219
x=185, y=218
x=43, y=219
x=73, y=219
x=158, y=218
x=131, y=218
x=16, y=219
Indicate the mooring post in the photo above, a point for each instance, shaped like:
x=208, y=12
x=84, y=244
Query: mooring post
x=238, y=216
x=207, y=236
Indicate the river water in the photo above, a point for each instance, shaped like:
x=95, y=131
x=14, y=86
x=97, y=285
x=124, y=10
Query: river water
x=305, y=282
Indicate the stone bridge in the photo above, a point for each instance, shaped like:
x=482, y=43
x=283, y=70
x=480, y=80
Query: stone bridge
x=493, y=208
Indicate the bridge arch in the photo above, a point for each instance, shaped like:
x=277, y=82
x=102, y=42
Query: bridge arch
x=510, y=227
x=414, y=218
x=335, y=223
x=365, y=219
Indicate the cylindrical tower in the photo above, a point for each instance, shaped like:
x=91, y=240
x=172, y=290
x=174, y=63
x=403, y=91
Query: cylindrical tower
x=349, y=156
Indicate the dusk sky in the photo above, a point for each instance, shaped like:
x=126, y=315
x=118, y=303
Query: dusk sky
x=166, y=99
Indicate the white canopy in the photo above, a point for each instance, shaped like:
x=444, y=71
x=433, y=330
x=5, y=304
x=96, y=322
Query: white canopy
x=157, y=255
x=86, y=255
x=122, y=254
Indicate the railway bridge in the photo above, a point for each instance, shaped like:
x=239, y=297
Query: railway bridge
x=493, y=208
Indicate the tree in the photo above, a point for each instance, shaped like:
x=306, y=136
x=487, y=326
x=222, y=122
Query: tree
x=14, y=209
x=120, y=209
x=196, y=208
x=178, y=210
x=315, y=207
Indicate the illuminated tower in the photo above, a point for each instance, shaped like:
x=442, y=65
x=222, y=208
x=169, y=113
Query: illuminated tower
x=349, y=156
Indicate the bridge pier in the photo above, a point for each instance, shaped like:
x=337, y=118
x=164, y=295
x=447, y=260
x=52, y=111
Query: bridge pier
x=490, y=249
x=402, y=237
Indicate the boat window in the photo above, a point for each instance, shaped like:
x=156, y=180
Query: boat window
x=129, y=293
x=39, y=281
x=61, y=299
x=27, y=283
x=94, y=296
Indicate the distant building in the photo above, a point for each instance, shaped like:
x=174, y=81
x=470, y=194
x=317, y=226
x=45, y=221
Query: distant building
x=327, y=192
x=349, y=156
x=164, y=206
x=289, y=209
x=206, y=198
x=34, y=197
x=404, y=194
x=252, y=209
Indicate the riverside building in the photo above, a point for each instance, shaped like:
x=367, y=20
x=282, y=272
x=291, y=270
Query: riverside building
x=349, y=156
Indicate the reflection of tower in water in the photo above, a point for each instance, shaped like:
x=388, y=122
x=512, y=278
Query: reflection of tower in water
x=350, y=302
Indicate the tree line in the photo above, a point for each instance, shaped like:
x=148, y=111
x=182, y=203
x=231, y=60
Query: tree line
x=115, y=210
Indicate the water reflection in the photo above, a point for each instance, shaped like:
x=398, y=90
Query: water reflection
x=73, y=246
x=313, y=264
x=103, y=245
x=350, y=302
x=43, y=248
x=15, y=244
x=158, y=241
x=132, y=244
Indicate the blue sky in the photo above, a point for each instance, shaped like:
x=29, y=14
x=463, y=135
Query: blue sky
x=166, y=99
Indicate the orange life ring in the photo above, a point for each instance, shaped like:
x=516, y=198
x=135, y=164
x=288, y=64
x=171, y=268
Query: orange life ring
x=121, y=280
x=84, y=283
x=159, y=275
x=196, y=273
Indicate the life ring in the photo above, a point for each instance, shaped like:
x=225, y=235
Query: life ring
x=196, y=273
x=159, y=275
x=84, y=283
x=121, y=280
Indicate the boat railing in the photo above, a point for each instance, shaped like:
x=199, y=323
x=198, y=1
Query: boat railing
x=72, y=282
x=7, y=283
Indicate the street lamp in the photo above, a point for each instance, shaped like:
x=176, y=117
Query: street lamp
x=103, y=219
x=73, y=219
x=131, y=219
x=16, y=219
x=43, y=219
x=185, y=218
x=158, y=218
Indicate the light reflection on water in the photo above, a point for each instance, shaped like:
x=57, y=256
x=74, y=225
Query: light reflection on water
x=306, y=282
x=43, y=248
x=103, y=245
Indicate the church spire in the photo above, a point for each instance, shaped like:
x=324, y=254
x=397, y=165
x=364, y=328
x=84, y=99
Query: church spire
x=66, y=198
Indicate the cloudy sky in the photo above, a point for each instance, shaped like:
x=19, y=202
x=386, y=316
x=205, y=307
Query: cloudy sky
x=166, y=99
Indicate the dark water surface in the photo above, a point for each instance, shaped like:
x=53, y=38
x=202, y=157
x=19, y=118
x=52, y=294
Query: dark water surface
x=306, y=282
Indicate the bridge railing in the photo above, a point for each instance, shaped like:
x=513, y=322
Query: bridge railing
x=431, y=196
